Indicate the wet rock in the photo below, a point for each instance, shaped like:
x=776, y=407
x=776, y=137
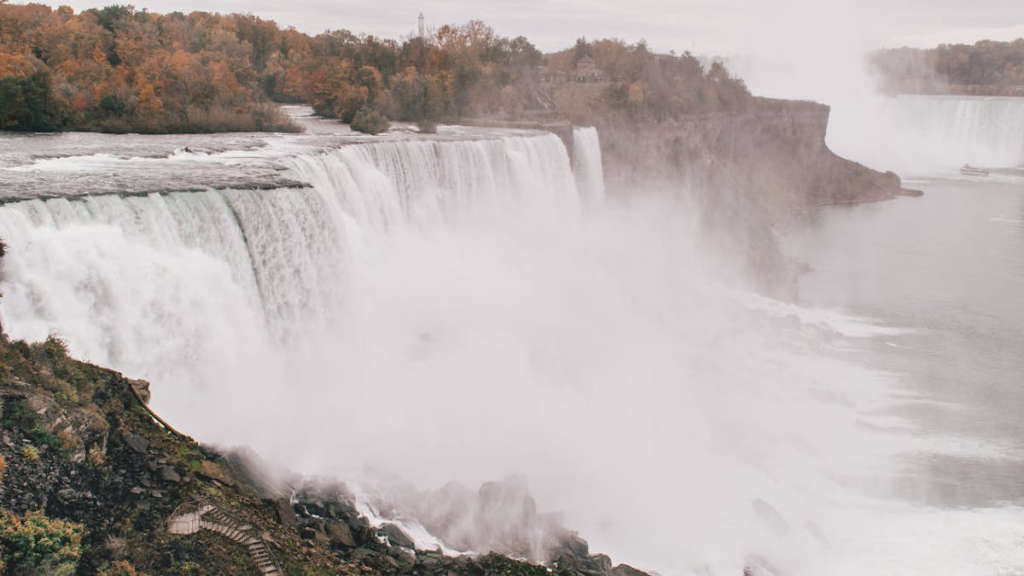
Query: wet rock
x=600, y=563
x=406, y=558
x=396, y=537
x=363, y=534
x=316, y=509
x=337, y=509
x=285, y=513
x=431, y=560
x=339, y=534
x=576, y=546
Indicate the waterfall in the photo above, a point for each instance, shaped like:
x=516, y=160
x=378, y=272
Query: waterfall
x=388, y=184
x=925, y=133
x=445, y=309
x=148, y=283
x=586, y=163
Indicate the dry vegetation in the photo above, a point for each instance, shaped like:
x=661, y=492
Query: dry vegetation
x=119, y=69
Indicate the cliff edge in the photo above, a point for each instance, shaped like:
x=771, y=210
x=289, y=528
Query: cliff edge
x=773, y=153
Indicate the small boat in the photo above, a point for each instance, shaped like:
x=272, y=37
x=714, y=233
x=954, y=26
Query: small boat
x=968, y=170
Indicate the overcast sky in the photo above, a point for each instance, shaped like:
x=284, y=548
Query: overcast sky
x=792, y=42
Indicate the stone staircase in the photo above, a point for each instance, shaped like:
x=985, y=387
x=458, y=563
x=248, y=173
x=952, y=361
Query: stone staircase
x=192, y=517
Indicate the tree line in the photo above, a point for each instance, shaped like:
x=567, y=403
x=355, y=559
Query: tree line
x=984, y=68
x=118, y=69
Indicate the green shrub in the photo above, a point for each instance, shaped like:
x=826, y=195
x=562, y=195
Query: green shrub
x=26, y=104
x=95, y=457
x=370, y=121
x=187, y=568
x=55, y=347
x=36, y=544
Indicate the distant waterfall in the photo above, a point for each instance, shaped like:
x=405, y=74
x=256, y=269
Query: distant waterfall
x=141, y=283
x=587, y=164
x=949, y=131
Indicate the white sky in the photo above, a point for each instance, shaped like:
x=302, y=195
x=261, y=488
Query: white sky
x=781, y=47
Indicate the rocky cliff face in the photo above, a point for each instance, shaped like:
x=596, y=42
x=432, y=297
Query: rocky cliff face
x=772, y=154
x=746, y=173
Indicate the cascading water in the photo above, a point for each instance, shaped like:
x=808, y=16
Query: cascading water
x=926, y=133
x=284, y=248
x=444, y=310
x=587, y=163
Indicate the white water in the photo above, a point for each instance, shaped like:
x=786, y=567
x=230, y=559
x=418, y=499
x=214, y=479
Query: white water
x=586, y=163
x=446, y=311
x=929, y=134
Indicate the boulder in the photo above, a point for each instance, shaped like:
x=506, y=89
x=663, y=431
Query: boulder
x=169, y=474
x=600, y=563
x=339, y=534
x=285, y=514
x=137, y=443
x=397, y=537
x=141, y=389
x=576, y=546
x=214, y=471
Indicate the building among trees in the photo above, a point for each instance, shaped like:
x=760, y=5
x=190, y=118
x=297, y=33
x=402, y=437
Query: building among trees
x=587, y=71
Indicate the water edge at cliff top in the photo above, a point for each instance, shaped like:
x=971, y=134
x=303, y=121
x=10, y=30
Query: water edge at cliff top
x=45, y=165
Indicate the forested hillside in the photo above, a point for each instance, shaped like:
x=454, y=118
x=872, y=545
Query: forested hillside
x=120, y=69
x=985, y=68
